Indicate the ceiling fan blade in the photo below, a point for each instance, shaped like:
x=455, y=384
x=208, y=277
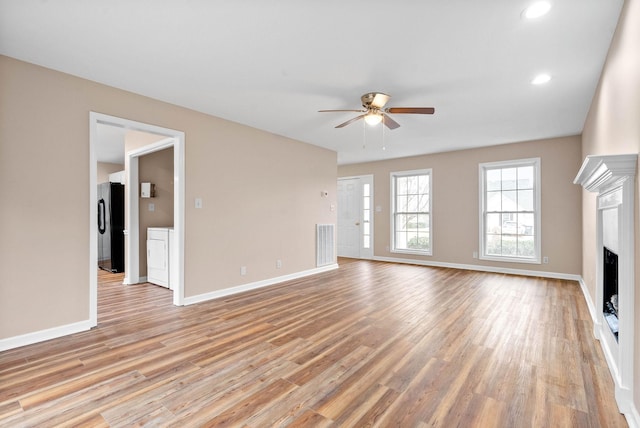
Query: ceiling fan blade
x=331, y=111
x=342, y=125
x=410, y=110
x=390, y=123
x=379, y=100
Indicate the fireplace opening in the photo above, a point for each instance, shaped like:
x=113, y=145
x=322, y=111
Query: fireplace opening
x=610, y=290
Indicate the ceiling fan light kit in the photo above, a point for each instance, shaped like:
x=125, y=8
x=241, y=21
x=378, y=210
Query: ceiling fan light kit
x=373, y=118
x=374, y=111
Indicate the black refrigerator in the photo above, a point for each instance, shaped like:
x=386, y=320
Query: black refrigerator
x=111, y=227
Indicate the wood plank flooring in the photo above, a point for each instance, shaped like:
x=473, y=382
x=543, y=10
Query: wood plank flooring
x=370, y=344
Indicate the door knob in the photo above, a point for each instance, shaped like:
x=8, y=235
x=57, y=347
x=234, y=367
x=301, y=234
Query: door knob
x=357, y=223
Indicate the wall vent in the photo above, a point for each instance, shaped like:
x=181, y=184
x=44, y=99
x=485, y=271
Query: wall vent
x=325, y=245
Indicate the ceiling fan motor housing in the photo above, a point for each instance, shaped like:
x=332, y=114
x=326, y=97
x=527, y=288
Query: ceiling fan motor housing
x=367, y=98
x=375, y=112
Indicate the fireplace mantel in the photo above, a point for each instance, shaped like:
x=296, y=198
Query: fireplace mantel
x=599, y=173
x=612, y=177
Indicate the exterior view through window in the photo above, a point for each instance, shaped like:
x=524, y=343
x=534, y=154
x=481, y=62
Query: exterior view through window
x=510, y=210
x=411, y=208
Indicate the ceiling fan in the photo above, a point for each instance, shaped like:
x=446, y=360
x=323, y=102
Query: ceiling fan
x=374, y=111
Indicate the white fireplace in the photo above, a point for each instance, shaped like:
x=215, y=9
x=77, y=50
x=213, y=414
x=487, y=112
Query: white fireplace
x=612, y=178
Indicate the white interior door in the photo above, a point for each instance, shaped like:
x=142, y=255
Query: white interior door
x=355, y=217
x=349, y=222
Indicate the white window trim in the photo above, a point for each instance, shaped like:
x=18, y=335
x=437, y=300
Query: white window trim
x=368, y=252
x=392, y=222
x=537, y=211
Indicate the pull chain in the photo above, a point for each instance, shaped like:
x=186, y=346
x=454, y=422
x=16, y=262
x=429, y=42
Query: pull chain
x=364, y=135
x=384, y=147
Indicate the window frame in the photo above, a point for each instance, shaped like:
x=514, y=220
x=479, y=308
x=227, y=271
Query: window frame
x=393, y=180
x=366, y=237
x=537, y=209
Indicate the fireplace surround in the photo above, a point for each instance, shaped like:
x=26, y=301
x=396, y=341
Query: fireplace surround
x=610, y=298
x=612, y=177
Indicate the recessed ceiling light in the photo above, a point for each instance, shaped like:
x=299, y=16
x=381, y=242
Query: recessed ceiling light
x=541, y=79
x=537, y=9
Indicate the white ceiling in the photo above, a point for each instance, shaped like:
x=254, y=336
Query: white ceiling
x=273, y=64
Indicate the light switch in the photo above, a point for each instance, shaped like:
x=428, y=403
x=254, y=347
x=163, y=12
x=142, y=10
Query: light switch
x=198, y=202
x=152, y=207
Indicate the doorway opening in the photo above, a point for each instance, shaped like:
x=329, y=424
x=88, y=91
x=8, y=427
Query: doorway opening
x=169, y=138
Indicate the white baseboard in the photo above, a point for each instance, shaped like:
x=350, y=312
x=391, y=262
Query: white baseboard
x=42, y=335
x=631, y=413
x=127, y=281
x=554, y=275
x=53, y=333
x=587, y=298
x=254, y=285
x=623, y=397
x=633, y=417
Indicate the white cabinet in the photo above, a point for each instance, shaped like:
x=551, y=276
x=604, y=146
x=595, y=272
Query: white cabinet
x=159, y=252
x=117, y=177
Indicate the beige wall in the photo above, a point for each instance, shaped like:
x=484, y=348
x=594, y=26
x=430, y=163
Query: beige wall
x=257, y=210
x=156, y=168
x=261, y=195
x=455, y=202
x=613, y=127
x=106, y=168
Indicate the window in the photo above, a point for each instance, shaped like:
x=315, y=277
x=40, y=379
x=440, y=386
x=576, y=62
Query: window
x=411, y=212
x=510, y=211
x=366, y=215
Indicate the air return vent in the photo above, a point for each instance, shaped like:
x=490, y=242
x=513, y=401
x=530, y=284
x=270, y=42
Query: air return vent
x=325, y=252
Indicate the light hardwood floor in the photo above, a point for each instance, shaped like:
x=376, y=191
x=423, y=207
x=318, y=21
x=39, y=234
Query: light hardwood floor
x=370, y=344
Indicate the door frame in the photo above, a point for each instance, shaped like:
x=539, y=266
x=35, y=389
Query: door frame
x=365, y=253
x=175, y=139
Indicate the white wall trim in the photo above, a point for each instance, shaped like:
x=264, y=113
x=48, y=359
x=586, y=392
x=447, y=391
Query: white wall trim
x=587, y=297
x=255, y=285
x=612, y=177
x=42, y=335
x=392, y=210
x=93, y=215
x=493, y=269
x=623, y=395
x=175, y=139
x=56, y=332
x=633, y=417
x=482, y=171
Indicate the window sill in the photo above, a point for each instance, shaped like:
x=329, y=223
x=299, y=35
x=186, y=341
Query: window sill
x=414, y=252
x=534, y=261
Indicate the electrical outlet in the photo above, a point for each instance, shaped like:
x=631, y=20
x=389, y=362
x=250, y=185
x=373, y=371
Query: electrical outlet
x=475, y=254
x=198, y=202
x=545, y=260
x=243, y=270
x=278, y=264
